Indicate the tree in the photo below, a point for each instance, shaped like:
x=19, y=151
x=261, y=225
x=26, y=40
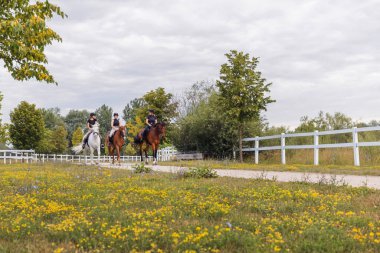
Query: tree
x=242, y=91
x=206, y=129
x=52, y=117
x=75, y=119
x=4, y=136
x=45, y=145
x=161, y=102
x=104, y=116
x=131, y=109
x=24, y=34
x=192, y=97
x=77, y=136
x=59, y=140
x=27, y=126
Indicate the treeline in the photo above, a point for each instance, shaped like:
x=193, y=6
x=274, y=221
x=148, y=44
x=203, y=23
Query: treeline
x=46, y=130
x=196, y=120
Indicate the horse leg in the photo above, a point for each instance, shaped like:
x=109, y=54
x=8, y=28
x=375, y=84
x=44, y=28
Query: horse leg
x=98, y=154
x=91, y=155
x=154, y=154
x=118, y=154
x=146, y=155
x=111, y=153
x=141, y=153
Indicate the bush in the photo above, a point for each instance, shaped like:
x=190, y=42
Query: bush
x=141, y=168
x=201, y=172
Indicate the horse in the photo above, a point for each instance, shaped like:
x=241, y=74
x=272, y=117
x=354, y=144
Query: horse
x=117, y=143
x=153, y=139
x=93, y=144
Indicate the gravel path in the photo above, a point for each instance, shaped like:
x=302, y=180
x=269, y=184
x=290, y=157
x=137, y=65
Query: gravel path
x=353, y=180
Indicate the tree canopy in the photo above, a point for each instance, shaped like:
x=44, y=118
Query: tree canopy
x=243, y=91
x=27, y=126
x=24, y=34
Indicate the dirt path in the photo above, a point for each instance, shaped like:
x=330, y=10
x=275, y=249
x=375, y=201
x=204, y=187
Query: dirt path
x=352, y=180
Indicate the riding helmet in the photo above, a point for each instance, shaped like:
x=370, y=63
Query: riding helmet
x=115, y=114
x=92, y=114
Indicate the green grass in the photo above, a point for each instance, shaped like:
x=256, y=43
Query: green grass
x=68, y=208
x=227, y=164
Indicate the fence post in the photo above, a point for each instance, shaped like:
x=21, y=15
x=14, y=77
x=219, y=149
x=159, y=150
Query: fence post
x=257, y=150
x=283, y=158
x=316, y=149
x=355, y=140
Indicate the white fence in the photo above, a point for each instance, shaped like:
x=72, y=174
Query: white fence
x=29, y=156
x=355, y=144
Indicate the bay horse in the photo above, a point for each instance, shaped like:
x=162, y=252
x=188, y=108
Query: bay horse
x=116, y=144
x=153, y=138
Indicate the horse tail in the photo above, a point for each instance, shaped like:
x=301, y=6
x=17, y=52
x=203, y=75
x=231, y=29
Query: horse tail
x=77, y=149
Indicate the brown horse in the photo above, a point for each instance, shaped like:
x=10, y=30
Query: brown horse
x=117, y=143
x=153, y=139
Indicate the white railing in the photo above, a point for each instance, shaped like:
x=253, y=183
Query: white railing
x=355, y=144
x=29, y=156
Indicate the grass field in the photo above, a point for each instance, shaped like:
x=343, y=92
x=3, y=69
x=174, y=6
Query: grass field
x=228, y=164
x=67, y=208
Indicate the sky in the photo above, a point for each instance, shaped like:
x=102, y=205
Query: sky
x=318, y=55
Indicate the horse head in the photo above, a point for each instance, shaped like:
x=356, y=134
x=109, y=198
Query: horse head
x=161, y=128
x=95, y=128
x=122, y=130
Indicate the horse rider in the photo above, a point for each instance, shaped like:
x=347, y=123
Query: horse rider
x=115, y=124
x=150, y=121
x=90, y=123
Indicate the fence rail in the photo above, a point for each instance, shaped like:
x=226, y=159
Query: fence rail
x=355, y=144
x=29, y=156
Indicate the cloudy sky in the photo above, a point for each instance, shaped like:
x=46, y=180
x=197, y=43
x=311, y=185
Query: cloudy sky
x=319, y=55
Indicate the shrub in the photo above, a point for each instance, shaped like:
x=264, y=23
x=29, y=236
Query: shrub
x=141, y=168
x=201, y=172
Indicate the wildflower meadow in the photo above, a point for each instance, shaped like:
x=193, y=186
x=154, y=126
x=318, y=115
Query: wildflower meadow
x=70, y=208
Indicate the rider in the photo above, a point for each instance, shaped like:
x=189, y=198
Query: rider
x=115, y=124
x=90, y=123
x=150, y=121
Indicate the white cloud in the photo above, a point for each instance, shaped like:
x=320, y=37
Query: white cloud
x=319, y=55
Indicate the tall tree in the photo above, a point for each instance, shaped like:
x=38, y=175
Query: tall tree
x=242, y=91
x=77, y=136
x=104, y=116
x=24, y=34
x=52, y=117
x=131, y=109
x=75, y=119
x=161, y=102
x=189, y=100
x=3, y=127
x=27, y=126
x=59, y=140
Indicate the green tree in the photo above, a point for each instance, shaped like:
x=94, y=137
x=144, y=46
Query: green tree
x=242, y=91
x=104, y=116
x=27, y=126
x=52, y=118
x=45, y=145
x=206, y=129
x=4, y=136
x=77, y=136
x=24, y=34
x=59, y=140
x=75, y=119
x=131, y=109
x=161, y=102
